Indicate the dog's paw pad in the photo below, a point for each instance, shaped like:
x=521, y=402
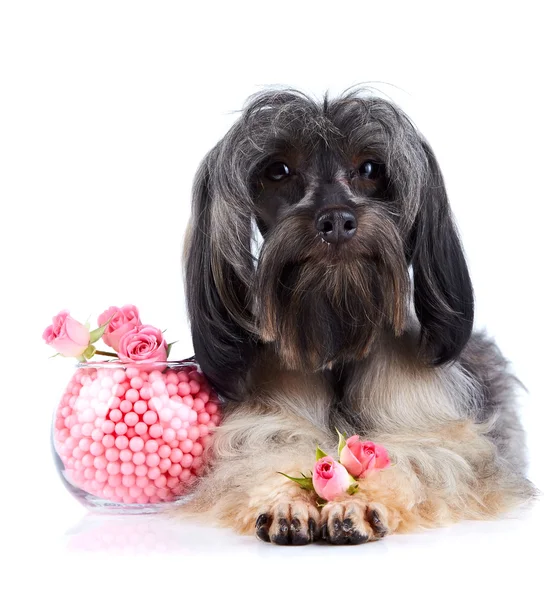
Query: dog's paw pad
x=352, y=522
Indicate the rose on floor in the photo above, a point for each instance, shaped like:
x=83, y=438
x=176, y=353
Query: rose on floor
x=332, y=479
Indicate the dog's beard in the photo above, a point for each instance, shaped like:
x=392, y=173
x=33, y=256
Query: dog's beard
x=322, y=304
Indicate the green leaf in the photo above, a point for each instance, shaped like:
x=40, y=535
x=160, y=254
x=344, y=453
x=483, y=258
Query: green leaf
x=89, y=352
x=320, y=503
x=305, y=483
x=319, y=453
x=342, y=442
x=96, y=334
x=54, y=355
x=352, y=489
x=169, y=346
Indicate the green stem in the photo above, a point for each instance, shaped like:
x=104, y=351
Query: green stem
x=102, y=353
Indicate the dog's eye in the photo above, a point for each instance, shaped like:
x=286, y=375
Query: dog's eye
x=370, y=170
x=277, y=171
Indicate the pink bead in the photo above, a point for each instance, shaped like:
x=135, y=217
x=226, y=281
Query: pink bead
x=203, y=396
x=185, y=475
x=87, y=460
x=126, y=406
x=173, y=482
x=113, y=468
x=198, y=405
x=150, y=490
x=139, y=458
x=108, y=441
x=132, y=395
x=108, y=427
x=101, y=476
x=172, y=389
x=112, y=454
x=131, y=419
x=155, y=430
x=146, y=392
x=121, y=428
x=136, y=444
x=97, y=435
x=154, y=473
x=158, y=387
x=176, y=423
x=172, y=377
x=164, y=451
x=142, y=482
x=155, y=404
x=169, y=435
x=193, y=433
x=182, y=434
x=161, y=482
x=186, y=446
x=119, y=390
x=203, y=430
x=211, y=408
x=186, y=461
x=204, y=418
x=118, y=375
x=141, y=470
x=141, y=428
x=121, y=491
x=131, y=432
x=188, y=401
x=194, y=387
x=125, y=455
x=121, y=442
x=216, y=419
x=175, y=470
x=197, y=449
x=132, y=372
x=166, y=414
x=114, y=479
x=116, y=415
x=152, y=460
x=151, y=446
x=183, y=389
x=89, y=473
x=127, y=468
x=197, y=462
x=164, y=465
x=128, y=480
x=96, y=449
x=150, y=417
x=174, y=443
x=78, y=453
x=100, y=462
x=84, y=444
x=140, y=407
x=137, y=383
x=176, y=455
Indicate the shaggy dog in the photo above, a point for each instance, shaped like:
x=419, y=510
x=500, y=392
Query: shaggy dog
x=356, y=314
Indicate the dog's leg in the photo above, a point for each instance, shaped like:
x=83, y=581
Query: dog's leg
x=436, y=479
x=275, y=432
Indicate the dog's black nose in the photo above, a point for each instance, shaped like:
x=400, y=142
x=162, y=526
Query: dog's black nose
x=336, y=225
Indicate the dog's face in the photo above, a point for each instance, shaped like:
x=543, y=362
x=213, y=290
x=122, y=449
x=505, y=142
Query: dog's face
x=347, y=196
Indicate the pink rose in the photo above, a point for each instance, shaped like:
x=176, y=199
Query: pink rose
x=123, y=320
x=330, y=478
x=66, y=335
x=361, y=457
x=142, y=344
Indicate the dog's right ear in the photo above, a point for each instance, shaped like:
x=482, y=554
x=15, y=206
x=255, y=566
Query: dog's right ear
x=219, y=269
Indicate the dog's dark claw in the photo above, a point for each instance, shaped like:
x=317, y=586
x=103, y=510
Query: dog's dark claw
x=379, y=530
x=262, y=527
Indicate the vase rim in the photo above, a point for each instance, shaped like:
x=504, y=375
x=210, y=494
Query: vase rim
x=119, y=364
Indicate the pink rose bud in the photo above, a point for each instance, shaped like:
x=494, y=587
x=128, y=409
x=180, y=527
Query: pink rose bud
x=142, y=344
x=66, y=335
x=123, y=320
x=360, y=457
x=330, y=478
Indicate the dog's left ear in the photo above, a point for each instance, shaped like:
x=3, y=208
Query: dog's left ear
x=443, y=294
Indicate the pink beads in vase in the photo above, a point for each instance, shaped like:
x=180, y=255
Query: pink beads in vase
x=133, y=437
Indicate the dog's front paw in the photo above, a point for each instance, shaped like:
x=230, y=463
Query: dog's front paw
x=353, y=521
x=294, y=522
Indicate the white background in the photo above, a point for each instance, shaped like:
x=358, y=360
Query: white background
x=106, y=109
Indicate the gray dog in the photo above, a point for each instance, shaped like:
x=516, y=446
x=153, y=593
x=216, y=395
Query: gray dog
x=356, y=314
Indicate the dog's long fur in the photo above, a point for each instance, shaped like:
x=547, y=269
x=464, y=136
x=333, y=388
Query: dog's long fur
x=372, y=336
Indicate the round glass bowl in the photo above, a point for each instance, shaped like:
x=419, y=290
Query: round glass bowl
x=133, y=437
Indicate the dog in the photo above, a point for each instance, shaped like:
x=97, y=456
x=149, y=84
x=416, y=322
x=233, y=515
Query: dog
x=355, y=315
